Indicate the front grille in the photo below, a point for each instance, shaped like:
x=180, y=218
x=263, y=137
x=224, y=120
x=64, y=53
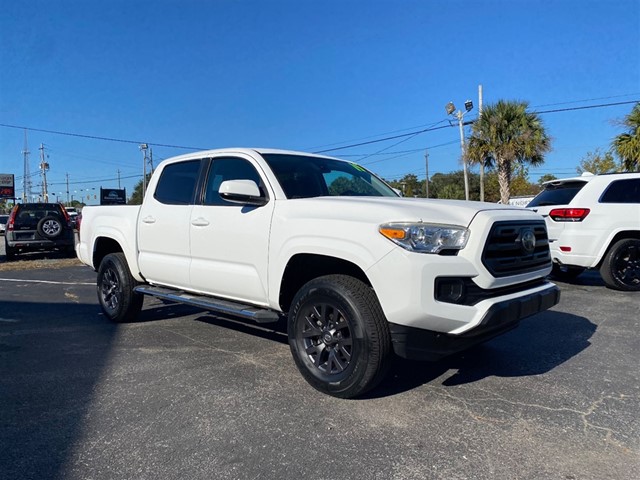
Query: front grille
x=506, y=251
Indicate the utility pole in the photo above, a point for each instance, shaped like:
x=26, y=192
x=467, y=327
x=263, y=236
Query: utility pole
x=426, y=183
x=151, y=159
x=68, y=204
x=44, y=166
x=26, y=178
x=144, y=147
x=118, y=179
x=482, y=161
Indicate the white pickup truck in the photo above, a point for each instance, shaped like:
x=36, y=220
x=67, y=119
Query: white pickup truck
x=359, y=272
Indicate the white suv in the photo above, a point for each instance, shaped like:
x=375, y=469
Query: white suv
x=594, y=222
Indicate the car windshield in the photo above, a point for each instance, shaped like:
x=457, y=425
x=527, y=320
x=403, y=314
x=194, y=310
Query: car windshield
x=4, y=218
x=557, y=194
x=304, y=177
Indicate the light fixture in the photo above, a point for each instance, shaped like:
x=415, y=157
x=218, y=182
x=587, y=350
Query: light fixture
x=450, y=108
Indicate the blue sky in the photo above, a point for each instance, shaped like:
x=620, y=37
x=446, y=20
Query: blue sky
x=305, y=75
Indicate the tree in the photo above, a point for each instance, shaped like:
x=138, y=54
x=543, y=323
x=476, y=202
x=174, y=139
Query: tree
x=409, y=185
x=596, y=162
x=547, y=177
x=506, y=135
x=136, y=196
x=627, y=145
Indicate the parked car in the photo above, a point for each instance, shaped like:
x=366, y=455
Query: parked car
x=38, y=226
x=73, y=216
x=594, y=222
x=3, y=223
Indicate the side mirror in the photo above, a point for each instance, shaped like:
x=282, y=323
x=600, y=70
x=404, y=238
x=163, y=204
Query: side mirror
x=243, y=192
x=398, y=191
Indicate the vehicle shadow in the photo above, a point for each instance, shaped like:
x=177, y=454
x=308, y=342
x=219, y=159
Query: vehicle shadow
x=538, y=345
x=590, y=278
x=51, y=361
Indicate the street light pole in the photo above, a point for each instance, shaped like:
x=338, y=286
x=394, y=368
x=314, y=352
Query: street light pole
x=450, y=108
x=144, y=147
x=460, y=116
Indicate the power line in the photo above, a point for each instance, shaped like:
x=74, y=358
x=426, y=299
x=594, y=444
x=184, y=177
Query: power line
x=410, y=134
x=96, y=137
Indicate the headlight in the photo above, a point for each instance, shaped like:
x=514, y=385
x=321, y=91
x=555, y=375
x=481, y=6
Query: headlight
x=426, y=237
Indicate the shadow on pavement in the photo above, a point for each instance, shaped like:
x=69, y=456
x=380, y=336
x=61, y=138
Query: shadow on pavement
x=51, y=361
x=536, y=346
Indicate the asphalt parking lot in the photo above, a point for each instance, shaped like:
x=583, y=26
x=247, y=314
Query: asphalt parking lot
x=184, y=394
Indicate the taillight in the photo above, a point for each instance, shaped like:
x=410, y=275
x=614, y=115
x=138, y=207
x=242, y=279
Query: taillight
x=12, y=217
x=66, y=214
x=569, y=214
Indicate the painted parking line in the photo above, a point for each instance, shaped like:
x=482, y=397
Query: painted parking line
x=20, y=280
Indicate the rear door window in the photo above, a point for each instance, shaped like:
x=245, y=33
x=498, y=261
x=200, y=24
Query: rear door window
x=177, y=183
x=557, y=194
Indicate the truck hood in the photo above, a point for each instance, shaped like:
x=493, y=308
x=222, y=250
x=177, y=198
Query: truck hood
x=388, y=209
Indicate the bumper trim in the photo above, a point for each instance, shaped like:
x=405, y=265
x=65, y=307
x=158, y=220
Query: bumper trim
x=419, y=344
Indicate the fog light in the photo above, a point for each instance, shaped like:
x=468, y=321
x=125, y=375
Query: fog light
x=450, y=290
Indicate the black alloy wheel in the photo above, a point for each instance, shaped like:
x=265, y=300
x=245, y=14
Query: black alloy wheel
x=338, y=335
x=620, y=269
x=115, y=284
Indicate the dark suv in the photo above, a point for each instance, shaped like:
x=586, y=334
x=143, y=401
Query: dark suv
x=38, y=226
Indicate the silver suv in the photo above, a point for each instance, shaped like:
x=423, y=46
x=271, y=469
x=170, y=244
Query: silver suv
x=38, y=226
x=593, y=221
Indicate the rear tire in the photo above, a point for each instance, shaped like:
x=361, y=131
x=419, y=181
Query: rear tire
x=339, y=336
x=620, y=269
x=115, y=289
x=10, y=252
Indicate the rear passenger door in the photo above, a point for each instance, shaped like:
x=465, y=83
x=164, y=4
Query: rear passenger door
x=164, y=225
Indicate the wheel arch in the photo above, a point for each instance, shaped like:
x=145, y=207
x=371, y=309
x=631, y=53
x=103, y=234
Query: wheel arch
x=618, y=236
x=104, y=245
x=304, y=267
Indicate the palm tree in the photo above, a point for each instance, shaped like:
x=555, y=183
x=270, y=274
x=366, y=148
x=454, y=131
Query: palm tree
x=506, y=134
x=627, y=145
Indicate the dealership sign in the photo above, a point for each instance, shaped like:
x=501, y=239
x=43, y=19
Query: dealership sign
x=113, y=196
x=7, y=186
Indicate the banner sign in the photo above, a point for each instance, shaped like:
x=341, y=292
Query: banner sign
x=113, y=196
x=7, y=186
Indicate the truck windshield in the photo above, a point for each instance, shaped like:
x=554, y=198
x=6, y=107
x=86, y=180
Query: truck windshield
x=304, y=177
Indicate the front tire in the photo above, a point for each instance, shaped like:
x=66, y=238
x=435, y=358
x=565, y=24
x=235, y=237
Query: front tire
x=620, y=269
x=338, y=335
x=115, y=289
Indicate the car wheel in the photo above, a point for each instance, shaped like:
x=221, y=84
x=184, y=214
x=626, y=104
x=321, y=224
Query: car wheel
x=338, y=335
x=620, y=269
x=50, y=227
x=565, y=272
x=115, y=289
x=9, y=252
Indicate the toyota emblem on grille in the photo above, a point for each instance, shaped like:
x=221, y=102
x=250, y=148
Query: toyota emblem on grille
x=528, y=240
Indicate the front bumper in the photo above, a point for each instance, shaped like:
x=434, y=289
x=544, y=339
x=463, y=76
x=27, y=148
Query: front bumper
x=420, y=344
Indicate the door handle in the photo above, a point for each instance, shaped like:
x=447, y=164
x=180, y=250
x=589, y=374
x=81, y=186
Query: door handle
x=199, y=222
x=149, y=219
